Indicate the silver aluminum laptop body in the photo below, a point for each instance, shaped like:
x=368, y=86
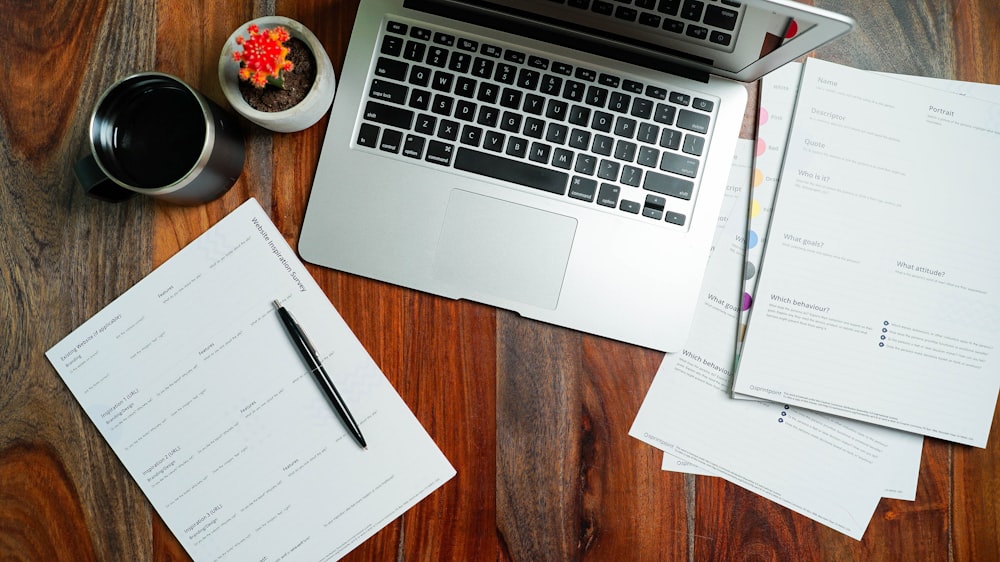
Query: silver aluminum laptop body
x=612, y=268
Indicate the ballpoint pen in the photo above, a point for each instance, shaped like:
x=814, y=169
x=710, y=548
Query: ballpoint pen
x=309, y=355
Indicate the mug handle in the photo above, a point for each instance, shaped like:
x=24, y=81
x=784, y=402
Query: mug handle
x=96, y=184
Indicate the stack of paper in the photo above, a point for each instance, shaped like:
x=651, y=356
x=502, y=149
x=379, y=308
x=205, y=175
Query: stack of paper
x=193, y=381
x=866, y=320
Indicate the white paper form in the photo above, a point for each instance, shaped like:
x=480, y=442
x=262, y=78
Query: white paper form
x=198, y=389
x=778, y=92
x=828, y=468
x=879, y=293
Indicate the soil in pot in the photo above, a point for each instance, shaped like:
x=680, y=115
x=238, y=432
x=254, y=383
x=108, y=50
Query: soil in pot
x=297, y=82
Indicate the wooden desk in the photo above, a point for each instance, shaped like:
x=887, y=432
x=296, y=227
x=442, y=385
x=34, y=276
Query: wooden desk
x=533, y=417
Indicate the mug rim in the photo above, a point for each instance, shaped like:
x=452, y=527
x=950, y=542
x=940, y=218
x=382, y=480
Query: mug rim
x=192, y=172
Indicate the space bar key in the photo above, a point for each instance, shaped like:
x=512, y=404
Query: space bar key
x=513, y=171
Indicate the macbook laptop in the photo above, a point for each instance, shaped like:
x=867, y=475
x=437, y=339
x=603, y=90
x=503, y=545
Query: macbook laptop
x=563, y=159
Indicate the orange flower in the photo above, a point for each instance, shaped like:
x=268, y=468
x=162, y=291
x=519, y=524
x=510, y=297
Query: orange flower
x=262, y=60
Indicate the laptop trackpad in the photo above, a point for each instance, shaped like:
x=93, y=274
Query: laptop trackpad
x=492, y=247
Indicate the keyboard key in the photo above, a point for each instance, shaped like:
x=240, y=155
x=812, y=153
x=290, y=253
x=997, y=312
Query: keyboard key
x=579, y=115
x=679, y=98
x=538, y=62
x=602, y=7
x=648, y=157
x=672, y=25
x=494, y=141
x=392, y=45
x=465, y=87
x=562, y=158
x=665, y=114
x=448, y=129
x=490, y=50
x=391, y=141
x=625, y=151
x=697, y=32
x=445, y=39
x=692, y=10
x=642, y=108
x=533, y=104
x=585, y=164
x=692, y=121
x=414, y=146
x=388, y=115
x=693, y=144
x=439, y=153
x=632, y=86
x=626, y=14
x=720, y=38
x=647, y=133
x=388, y=91
x=488, y=92
x=669, y=7
x=420, y=76
x=574, y=90
x=597, y=96
x=517, y=147
x=579, y=139
x=388, y=68
x=724, y=18
x=670, y=138
x=437, y=56
x=630, y=206
x=608, y=195
x=516, y=57
x=442, y=81
x=585, y=74
x=534, y=128
x=602, y=121
x=678, y=164
x=510, y=98
x=668, y=185
x=556, y=109
x=527, y=79
x=420, y=33
x=483, y=68
x=674, y=218
x=602, y=145
x=562, y=68
x=465, y=110
x=656, y=92
x=625, y=127
x=654, y=207
x=459, y=62
x=522, y=173
x=703, y=105
x=488, y=116
x=442, y=104
x=396, y=27
x=468, y=45
x=631, y=175
x=619, y=102
x=608, y=170
x=556, y=133
x=539, y=152
x=425, y=124
x=583, y=189
x=550, y=85
x=368, y=135
x=471, y=135
x=511, y=122
x=505, y=73
x=414, y=51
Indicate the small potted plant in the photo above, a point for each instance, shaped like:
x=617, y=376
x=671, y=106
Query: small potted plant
x=276, y=73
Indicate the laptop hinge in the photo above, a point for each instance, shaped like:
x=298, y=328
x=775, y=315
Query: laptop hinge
x=517, y=23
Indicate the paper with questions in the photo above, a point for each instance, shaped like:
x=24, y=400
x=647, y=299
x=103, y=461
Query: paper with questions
x=895, y=455
x=827, y=468
x=879, y=291
x=194, y=383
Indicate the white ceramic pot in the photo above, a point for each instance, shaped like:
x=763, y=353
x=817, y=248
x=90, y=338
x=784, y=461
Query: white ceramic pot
x=304, y=114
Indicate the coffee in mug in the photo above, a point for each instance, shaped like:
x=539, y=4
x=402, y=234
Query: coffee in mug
x=151, y=133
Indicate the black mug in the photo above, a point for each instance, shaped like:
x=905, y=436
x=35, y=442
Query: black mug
x=151, y=133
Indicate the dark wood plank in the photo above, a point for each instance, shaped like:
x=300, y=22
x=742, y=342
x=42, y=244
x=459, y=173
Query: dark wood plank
x=63, y=494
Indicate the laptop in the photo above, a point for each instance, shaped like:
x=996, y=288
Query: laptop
x=562, y=159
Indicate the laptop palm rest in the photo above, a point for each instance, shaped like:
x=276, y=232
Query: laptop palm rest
x=493, y=248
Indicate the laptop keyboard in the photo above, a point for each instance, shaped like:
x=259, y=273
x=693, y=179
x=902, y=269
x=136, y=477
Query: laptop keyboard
x=710, y=22
x=586, y=135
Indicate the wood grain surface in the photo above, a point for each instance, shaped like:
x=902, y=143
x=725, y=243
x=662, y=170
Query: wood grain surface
x=533, y=417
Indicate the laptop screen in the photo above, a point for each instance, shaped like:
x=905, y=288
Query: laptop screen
x=736, y=39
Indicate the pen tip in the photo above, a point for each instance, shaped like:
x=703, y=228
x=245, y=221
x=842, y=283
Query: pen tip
x=276, y=303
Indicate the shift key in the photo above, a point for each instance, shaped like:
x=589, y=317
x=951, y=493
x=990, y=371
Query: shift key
x=388, y=115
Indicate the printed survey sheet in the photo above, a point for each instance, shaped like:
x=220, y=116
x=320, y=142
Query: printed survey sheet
x=879, y=290
x=193, y=381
